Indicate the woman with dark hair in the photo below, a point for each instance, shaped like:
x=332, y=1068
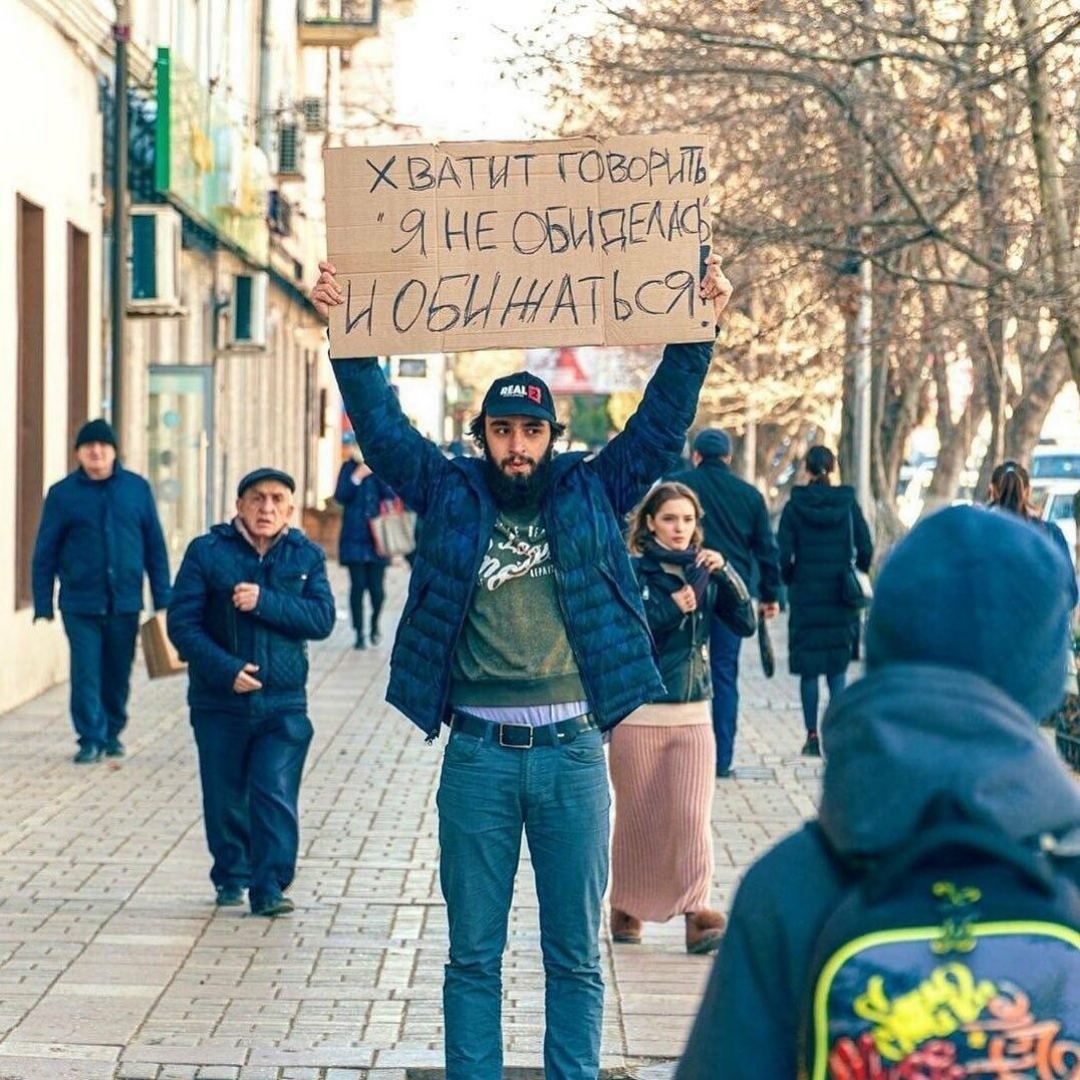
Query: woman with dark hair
x=822, y=532
x=663, y=755
x=1010, y=489
x=360, y=491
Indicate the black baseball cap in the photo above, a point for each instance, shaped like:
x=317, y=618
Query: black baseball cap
x=257, y=476
x=520, y=394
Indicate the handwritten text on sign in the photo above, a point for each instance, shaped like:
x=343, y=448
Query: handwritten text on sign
x=494, y=244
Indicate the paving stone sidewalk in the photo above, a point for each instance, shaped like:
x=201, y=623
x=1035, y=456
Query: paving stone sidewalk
x=114, y=962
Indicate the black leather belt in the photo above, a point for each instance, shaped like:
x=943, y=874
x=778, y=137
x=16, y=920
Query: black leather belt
x=521, y=736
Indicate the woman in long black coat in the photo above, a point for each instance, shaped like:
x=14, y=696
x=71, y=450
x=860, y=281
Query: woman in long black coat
x=821, y=530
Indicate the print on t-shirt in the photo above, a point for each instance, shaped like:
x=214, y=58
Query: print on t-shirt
x=514, y=552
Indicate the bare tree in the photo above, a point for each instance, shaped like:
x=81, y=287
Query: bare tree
x=966, y=221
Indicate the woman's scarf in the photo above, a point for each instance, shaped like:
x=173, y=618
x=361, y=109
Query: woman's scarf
x=697, y=577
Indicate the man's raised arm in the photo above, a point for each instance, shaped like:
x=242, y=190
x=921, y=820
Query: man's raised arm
x=653, y=438
x=397, y=453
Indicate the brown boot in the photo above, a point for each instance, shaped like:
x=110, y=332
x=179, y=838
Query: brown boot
x=704, y=931
x=625, y=929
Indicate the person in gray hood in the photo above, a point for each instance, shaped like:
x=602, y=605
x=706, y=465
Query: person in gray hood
x=965, y=649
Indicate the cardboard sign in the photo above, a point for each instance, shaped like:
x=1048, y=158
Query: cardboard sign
x=507, y=245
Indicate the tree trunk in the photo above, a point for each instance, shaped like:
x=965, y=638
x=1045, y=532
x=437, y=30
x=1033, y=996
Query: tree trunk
x=1029, y=415
x=988, y=339
x=845, y=452
x=1064, y=303
x=955, y=439
x=997, y=390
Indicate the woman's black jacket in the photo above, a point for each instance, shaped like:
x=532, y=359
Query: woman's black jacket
x=682, y=640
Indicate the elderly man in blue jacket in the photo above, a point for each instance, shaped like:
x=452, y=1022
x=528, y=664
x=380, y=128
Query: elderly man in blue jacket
x=99, y=534
x=524, y=633
x=247, y=599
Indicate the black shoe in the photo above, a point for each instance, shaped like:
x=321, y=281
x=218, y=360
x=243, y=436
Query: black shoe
x=87, y=755
x=726, y=773
x=359, y=643
x=229, y=896
x=114, y=748
x=376, y=637
x=812, y=746
x=272, y=906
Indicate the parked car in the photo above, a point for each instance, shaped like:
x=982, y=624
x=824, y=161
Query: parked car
x=1054, y=462
x=912, y=485
x=1054, y=501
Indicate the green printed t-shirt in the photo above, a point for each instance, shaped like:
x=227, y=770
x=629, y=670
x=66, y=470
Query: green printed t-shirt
x=513, y=648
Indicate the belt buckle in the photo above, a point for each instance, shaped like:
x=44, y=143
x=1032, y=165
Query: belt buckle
x=512, y=745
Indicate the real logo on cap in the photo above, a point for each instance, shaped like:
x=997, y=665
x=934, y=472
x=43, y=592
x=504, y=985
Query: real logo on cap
x=531, y=392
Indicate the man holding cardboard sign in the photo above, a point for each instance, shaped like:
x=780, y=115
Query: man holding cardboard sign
x=524, y=633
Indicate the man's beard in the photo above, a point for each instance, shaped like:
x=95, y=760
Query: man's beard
x=518, y=492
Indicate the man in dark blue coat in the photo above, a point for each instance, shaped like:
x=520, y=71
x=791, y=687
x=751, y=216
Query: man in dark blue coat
x=736, y=524
x=524, y=633
x=99, y=534
x=247, y=599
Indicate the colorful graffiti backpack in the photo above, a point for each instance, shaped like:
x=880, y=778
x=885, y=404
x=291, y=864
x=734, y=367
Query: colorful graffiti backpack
x=957, y=957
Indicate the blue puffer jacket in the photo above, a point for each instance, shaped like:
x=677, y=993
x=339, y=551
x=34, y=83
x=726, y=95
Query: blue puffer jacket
x=295, y=605
x=360, y=503
x=589, y=495
x=99, y=537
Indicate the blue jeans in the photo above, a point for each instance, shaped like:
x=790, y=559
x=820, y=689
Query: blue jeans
x=559, y=795
x=724, y=646
x=102, y=650
x=809, y=691
x=250, y=769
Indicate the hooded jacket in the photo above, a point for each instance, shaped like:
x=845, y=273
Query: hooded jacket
x=822, y=530
x=965, y=649
x=895, y=741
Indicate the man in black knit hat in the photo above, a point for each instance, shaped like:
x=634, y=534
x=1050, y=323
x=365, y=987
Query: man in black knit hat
x=99, y=534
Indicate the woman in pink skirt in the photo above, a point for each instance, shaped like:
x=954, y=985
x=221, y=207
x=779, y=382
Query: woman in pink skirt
x=663, y=756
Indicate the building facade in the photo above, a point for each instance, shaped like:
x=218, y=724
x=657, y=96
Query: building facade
x=226, y=368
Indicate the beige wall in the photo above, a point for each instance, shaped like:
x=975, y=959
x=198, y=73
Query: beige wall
x=60, y=173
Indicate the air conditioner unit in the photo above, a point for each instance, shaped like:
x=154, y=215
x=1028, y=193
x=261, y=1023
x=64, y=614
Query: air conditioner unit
x=154, y=277
x=314, y=114
x=290, y=150
x=247, y=310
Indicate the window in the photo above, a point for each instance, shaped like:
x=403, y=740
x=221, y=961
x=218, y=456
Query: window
x=248, y=323
x=30, y=391
x=1061, y=508
x=412, y=367
x=1056, y=466
x=243, y=307
x=78, y=329
x=144, y=283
